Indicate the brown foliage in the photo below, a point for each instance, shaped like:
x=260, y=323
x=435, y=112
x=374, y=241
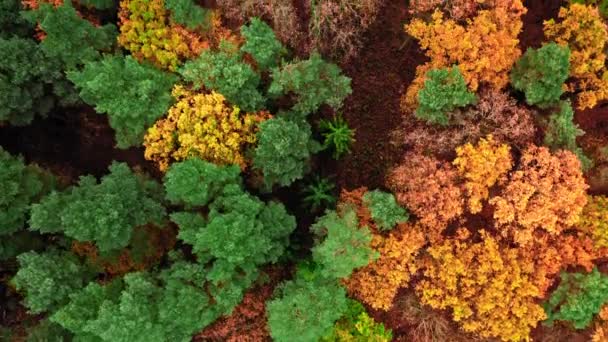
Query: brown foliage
x=457, y=9
x=496, y=113
x=547, y=191
x=429, y=188
x=247, y=323
x=337, y=26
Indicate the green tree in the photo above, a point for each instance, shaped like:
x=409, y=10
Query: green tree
x=20, y=186
x=357, y=326
x=11, y=22
x=541, y=73
x=189, y=14
x=314, y=82
x=262, y=44
x=99, y=4
x=69, y=38
x=444, y=90
x=196, y=182
x=225, y=72
x=47, y=279
x=104, y=213
x=283, y=150
x=385, y=210
x=133, y=95
x=305, y=311
x=344, y=245
x=562, y=131
x=578, y=297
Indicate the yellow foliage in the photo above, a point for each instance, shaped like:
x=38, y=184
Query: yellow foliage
x=145, y=31
x=482, y=166
x=202, y=125
x=546, y=192
x=484, y=48
x=488, y=290
x=377, y=283
x=584, y=32
x=594, y=220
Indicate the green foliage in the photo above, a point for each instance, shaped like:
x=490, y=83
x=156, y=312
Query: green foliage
x=69, y=38
x=47, y=279
x=344, y=247
x=305, y=311
x=189, y=14
x=196, y=182
x=99, y=4
x=444, y=90
x=11, y=23
x=20, y=186
x=24, y=75
x=262, y=44
x=224, y=72
x=541, y=73
x=134, y=95
x=562, y=131
x=105, y=213
x=357, y=326
x=384, y=209
x=47, y=331
x=314, y=82
x=283, y=150
x=578, y=297
x=20, y=242
x=239, y=229
x=318, y=194
x=337, y=135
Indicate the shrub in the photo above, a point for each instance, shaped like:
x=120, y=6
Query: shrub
x=47, y=279
x=484, y=49
x=384, y=209
x=262, y=44
x=146, y=33
x=488, y=289
x=561, y=133
x=20, y=186
x=584, y=32
x=357, y=325
x=318, y=194
x=444, y=90
x=69, y=38
x=305, y=311
x=578, y=298
x=482, y=166
x=189, y=14
x=541, y=73
x=196, y=182
x=314, y=82
x=283, y=150
x=104, y=213
x=428, y=187
x=134, y=95
x=337, y=136
x=546, y=191
x=224, y=72
x=205, y=126
x=345, y=246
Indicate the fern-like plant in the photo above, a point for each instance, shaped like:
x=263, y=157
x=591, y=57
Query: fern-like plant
x=319, y=194
x=385, y=210
x=337, y=136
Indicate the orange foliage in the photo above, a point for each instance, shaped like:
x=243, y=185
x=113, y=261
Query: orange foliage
x=481, y=166
x=489, y=291
x=546, y=192
x=156, y=243
x=600, y=334
x=584, y=32
x=428, y=188
x=484, y=49
x=377, y=283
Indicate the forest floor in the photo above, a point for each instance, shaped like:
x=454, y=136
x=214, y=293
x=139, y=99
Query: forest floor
x=78, y=142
